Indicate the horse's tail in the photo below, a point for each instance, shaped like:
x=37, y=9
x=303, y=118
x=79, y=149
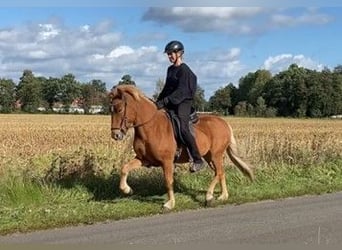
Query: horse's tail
x=232, y=151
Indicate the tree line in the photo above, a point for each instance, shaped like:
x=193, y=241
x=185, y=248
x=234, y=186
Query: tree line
x=34, y=92
x=294, y=92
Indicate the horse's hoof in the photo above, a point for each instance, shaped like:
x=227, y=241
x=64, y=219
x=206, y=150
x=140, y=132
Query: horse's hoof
x=127, y=192
x=166, y=210
x=210, y=203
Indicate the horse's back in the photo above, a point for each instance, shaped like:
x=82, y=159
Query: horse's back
x=213, y=124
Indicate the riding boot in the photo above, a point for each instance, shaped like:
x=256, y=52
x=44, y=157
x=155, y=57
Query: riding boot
x=197, y=163
x=195, y=167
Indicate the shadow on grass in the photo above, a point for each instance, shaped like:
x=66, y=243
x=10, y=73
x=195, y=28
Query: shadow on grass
x=83, y=170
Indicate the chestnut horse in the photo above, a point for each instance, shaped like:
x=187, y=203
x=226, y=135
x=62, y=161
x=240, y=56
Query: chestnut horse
x=155, y=145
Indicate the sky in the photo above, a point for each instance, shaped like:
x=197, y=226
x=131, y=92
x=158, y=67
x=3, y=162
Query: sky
x=105, y=40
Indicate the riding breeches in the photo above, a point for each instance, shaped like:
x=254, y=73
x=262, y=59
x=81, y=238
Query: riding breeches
x=183, y=112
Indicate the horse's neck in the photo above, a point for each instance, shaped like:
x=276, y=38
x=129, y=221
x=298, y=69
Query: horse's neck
x=148, y=118
x=145, y=111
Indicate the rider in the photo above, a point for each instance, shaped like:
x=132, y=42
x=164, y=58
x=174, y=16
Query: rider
x=178, y=95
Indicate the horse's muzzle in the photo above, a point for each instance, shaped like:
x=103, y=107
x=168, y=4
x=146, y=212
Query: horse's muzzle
x=117, y=134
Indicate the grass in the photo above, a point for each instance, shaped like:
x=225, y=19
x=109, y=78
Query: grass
x=29, y=204
x=68, y=176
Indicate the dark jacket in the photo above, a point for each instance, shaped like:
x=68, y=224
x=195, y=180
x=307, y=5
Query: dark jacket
x=180, y=85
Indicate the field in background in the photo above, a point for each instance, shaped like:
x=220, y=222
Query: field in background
x=28, y=138
x=60, y=170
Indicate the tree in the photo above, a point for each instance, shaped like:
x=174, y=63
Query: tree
x=336, y=99
x=260, y=108
x=331, y=96
x=338, y=69
x=29, y=92
x=51, y=91
x=295, y=90
x=199, y=100
x=251, y=86
x=241, y=109
x=287, y=92
x=93, y=93
x=159, y=86
x=70, y=89
x=261, y=77
x=7, y=95
x=221, y=100
x=126, y=79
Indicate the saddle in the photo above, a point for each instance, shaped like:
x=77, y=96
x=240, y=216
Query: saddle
x=176, y=128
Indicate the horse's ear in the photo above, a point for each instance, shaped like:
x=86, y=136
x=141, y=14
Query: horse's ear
x=120, y=92
x=115, y=92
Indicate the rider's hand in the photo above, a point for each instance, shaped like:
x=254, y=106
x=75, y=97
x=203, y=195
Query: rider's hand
x=161, y=103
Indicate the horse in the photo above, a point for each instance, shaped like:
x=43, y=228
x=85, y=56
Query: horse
x=154, y=142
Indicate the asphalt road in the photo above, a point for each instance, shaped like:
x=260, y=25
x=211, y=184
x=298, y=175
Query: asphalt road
x=305, y=220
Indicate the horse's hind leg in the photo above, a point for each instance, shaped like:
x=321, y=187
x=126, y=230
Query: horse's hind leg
x=133, y=164
x=209, y=197
x=224, y=191
x=217, y=163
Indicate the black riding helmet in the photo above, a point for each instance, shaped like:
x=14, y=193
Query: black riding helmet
x=174, y=46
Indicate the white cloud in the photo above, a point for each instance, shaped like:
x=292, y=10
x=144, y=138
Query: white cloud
x=220, y=64
x=51, y=49
x=215, y=12
x=37, y=54
x=85, y=28
x=232, y=54
x=120, y=51
x=47, y=31
x=281, y=62
x=218, y=68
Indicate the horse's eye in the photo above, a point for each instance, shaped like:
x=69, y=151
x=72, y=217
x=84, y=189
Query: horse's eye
x=116, y=108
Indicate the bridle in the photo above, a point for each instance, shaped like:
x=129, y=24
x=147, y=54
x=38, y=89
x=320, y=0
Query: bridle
x=124, y=126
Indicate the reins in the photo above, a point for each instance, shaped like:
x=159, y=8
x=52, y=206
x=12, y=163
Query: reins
x=145, y=122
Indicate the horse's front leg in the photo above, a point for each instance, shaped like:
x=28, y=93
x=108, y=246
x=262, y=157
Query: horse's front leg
x=168, y=176
x=133, y=164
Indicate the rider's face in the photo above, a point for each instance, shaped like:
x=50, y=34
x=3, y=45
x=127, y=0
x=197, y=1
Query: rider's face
x=173, y=56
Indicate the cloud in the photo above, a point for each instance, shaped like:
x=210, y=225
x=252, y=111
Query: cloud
x=311, y=16
x=233, y=20
x=219, y=64
x=203, y=19
x=88, y=51
x=217, y=68
x=47, y=31
x=98, y=51
x=281, y=62
x=121, y=51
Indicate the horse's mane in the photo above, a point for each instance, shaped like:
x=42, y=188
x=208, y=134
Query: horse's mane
x=132, y=90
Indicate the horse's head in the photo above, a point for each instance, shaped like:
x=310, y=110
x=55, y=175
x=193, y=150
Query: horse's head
x=123, y=110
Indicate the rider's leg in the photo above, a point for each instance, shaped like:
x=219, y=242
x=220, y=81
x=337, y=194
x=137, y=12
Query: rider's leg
x=184, y=110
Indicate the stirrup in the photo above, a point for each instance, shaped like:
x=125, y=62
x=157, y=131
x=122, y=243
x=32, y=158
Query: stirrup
x=195, y=167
